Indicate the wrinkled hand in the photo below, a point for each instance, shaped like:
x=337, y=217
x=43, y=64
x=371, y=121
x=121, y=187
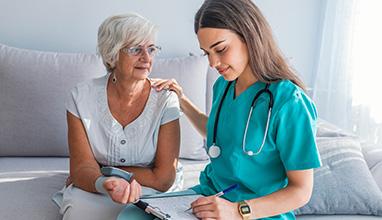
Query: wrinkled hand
x=213, y=207
x=170, y=84
x=121, y=191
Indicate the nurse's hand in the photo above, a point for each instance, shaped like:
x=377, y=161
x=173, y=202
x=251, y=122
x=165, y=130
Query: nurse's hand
x=121, y=191
x=170, y=84
x=213, y=207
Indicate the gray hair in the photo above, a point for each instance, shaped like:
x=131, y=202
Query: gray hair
x=120, y=31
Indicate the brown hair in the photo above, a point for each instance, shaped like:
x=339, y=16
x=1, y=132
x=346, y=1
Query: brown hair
x=245, y=19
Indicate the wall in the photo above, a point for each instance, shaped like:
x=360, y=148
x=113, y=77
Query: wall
x=71, y=26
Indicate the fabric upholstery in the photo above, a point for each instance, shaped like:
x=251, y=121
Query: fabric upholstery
x=344, y=184
x=27, y=184
x=33, y=88
x=190, y=72
x=212, y=75
x=34, y=85
x=373, y=157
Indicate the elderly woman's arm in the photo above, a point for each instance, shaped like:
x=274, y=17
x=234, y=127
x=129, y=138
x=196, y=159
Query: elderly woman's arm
x=162, y=175
x=84, y=169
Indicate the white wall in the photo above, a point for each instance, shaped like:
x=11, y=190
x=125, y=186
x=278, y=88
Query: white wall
x=297, y=28
x=71, y=25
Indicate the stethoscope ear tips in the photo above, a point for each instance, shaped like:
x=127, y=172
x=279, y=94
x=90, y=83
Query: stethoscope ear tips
x=250, y=153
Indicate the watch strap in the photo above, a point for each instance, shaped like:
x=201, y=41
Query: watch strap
x=244, y=210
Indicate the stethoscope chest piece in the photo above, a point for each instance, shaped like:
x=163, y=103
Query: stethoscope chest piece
x=214, y=151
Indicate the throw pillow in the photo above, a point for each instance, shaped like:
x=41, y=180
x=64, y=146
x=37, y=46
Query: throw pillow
x=34, y=85
x=212, y=75
x=373, y=157
x=344, y=184
x=190, y=72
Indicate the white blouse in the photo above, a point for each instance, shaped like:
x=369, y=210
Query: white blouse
x=113, y=145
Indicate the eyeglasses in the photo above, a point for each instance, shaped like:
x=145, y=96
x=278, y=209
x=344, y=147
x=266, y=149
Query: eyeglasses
x=138, y=50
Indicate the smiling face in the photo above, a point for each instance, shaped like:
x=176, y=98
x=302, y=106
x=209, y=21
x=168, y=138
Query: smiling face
x=226, y=52
x=135, y=65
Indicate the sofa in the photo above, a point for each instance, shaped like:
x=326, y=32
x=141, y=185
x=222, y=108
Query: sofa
x=33, y=142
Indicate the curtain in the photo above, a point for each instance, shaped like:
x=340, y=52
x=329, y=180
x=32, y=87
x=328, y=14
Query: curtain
x=347, y=89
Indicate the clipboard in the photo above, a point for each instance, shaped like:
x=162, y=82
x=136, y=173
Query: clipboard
x=173, y=203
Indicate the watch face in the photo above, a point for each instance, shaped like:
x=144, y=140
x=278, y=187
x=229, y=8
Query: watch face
x=245, y=209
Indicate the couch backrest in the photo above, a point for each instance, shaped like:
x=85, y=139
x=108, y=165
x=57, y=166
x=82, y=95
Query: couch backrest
x=34, y=85
x=212, y=75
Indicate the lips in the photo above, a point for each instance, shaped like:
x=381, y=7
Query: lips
x=141, y=67
x=222, y=70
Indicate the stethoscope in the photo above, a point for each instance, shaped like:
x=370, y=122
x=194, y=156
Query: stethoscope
x=214, y=150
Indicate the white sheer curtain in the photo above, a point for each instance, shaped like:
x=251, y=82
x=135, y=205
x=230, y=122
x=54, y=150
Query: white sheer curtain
x=348, y=87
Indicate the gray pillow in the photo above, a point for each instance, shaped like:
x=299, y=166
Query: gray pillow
x=33, y=87
x=326, y=129
x=373, y=157
x=34, y=84
x=344, y=184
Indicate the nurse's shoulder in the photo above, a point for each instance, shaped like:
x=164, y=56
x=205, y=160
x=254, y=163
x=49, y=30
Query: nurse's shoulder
x=287, y=94
x=218, y=87
x=220, y=83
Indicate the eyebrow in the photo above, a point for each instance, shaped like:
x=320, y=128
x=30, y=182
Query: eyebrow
x=140, y=45
x=213, y=45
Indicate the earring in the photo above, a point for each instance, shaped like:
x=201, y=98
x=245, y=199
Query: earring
x=114, y=79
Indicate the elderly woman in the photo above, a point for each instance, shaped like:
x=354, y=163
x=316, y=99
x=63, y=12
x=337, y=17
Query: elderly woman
x=119, y=120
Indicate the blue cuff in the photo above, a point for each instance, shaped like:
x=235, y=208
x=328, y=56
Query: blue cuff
x=99, y=184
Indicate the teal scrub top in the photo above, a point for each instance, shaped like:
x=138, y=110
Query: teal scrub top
x=290, y=142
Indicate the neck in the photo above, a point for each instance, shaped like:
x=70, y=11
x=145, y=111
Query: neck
x=244, y=81
x=129, y=89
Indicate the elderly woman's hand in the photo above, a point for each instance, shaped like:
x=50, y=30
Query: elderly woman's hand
x=121, y=191
x=170, y=84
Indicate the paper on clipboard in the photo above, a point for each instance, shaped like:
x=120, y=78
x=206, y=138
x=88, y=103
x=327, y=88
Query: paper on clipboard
x=175, y=206
x=174, y=203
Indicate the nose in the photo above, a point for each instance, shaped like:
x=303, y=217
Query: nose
x=145, y=56
x=214, y=61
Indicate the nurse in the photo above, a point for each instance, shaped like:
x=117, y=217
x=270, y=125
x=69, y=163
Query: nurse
x=271, y=158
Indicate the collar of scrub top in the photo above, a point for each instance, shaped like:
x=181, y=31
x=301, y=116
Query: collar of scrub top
x=270, y=106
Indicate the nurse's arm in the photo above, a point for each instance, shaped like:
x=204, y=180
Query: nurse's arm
x=195, y=115
x=296, y=194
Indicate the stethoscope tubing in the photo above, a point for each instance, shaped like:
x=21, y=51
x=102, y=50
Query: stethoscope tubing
x=270, y=106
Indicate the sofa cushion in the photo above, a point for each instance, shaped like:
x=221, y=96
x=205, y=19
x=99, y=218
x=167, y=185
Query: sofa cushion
x=212, y=75
x=326, y=129
x=34, y=85
x=27, y=184
x=344, y=184
x=337, y=217
x=373, y=157
x=33, y=88
x=191, y=171
x=190, y=72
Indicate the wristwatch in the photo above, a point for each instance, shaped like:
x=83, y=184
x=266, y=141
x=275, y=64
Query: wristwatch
x=244, y=210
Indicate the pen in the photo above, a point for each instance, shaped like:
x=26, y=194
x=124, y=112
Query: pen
x=229, y=189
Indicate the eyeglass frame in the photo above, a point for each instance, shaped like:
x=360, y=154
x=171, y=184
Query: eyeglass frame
x=129, y=50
